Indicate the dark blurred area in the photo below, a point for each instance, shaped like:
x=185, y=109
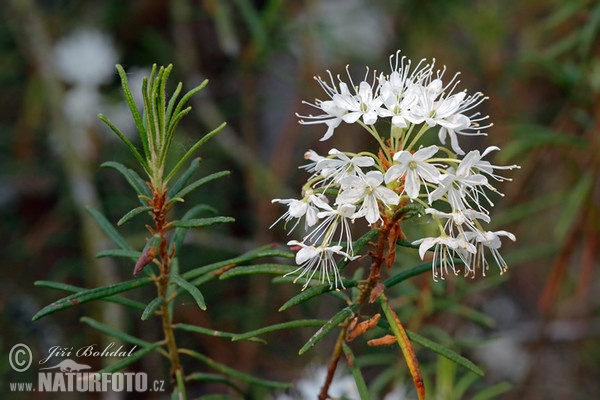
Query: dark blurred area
x=538, y=61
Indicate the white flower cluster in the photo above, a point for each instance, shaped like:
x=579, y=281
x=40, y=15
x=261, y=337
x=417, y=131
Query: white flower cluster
x=343, y=187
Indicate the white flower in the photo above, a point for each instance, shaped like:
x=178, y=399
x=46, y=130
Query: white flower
x=445, y=250
x=312, y=259
x=298, y=209
x=361, y=105
x=486, y=167
x=86, y=57
x=331, y=219
x=414, y=168
x=367, y=190
x=342, y=166
x=314, y=158
x=459, y=185
x=491, y=240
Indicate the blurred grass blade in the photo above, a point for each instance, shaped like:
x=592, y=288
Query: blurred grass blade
x=361, y=385
x=233, y=372
x=152, y=307
x=405, y=346
x=493, y=392
x=278, y=327
x=278, y=269
x=75, y=289
x=125, y=362
x=201, y=222
x=573, y=205
x=109, y=229
x=214, y=333
x=133, y=213
x=192, y=186
x=107, y=330
x=191, y=289
x=136, y=182
x=333, y=323
x=184, y=178
x=313, y=292
x=444, y=351
x=89, y=295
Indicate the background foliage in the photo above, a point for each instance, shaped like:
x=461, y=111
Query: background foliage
x=538, y=61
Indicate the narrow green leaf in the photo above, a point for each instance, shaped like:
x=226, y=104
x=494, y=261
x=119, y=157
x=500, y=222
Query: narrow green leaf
x=201, y=222
x=89, y=295
x=261, y=252
x=204, y=377
x=109, y=229
x=133, y=213
x=409, y=273
x=256, y=269
x=444, y=351
x=186, y=97
x=179, y=234
x=152, y=307
x=192, y=149
x=173, y=100
x=277, y=327
x=215, y=333
x=361, y=385
x=233, y=372
x=358, y=245
x=107, y=330
x=131, y=254
x=132, y=177
x=184, y=178
x=333, y=323
x=125, y=362
x=133, y=108
x=125, y=140
x=75, y=289
x=191, y=289
x=313, y=292
x=192, y=186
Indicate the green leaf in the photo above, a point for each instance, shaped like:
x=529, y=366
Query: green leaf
x=192, y=149
x=409, y=273
x=358, y=245
x=256, y=269
x=201, y=222
x=134, y=180
x=152, y=307
x=261, y=252
x=361, y=385
x=313, y=292
x=277, y=327
x=133, y=213
x=89, y=295
x=333, y=323
x=109, y=229
x=125, y=140
x=192, y=186
x=204, y=377
x=179, y=234
x=134, y=109
x=536, y=136
x=215, y=333
x=125, y=362
x=233, y=372
x=76, y=289
x=131, y=254
x=444, y=351
x=184, y=178
x=191, y=289
x=107, y=330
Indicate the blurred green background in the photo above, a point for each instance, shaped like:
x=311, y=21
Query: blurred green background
x=537, y=60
